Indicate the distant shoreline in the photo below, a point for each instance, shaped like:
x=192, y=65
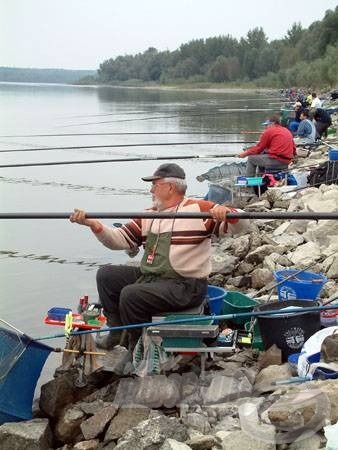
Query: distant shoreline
x=213, y=89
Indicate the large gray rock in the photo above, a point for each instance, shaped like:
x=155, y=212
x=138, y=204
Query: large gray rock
x=93, y=444
x=240, y=246
x=267, y=376
x=235, y=440
x=290, y=241
x=126, y=419
x=300, y=413
x=244, y=268
x=151, y=434
x=197, y=421
x=258, y=255
x=226, y=388
x=172, y=444
x=260, y=278
x=29, y=435
x=330, y=266
x=305, y=255
x=68, y=425
x=322, y=232
x=95, y=425
x=223, y=262
x=60, y=392
x=151, y=391
x=207, y=442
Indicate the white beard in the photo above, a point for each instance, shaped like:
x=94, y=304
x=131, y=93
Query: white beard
x=157, y=203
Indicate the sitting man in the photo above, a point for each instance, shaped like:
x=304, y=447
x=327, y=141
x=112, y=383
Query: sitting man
x=176, y=261
x=293, y=123
x=306, y=132
x=275, y=149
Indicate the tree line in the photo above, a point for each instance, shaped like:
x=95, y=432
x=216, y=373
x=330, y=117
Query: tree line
x=30, y=75
x=304, y=57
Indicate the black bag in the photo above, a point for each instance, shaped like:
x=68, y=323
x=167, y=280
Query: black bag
x=325, y=173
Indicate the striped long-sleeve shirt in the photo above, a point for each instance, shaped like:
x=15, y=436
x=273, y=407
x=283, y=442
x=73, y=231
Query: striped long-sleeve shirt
x=190, y=247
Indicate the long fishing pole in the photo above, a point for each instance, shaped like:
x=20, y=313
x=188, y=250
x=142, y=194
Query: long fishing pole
x=158, y=144
x=273, y=312
x=136, y=133
x=115, y=160
x=170, y=215
x=216, y=113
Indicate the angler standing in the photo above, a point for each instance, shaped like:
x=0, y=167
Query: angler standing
x=176, y=261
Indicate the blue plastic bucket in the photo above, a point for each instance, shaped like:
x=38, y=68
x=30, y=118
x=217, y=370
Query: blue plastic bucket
x=303, y=286
x=215, y=296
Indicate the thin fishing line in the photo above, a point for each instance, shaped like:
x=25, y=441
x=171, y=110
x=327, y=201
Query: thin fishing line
x=220, y=111
x=99, y=161
x=141, y=133
x=159, y=144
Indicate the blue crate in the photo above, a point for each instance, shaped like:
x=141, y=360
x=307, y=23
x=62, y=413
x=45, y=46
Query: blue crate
x=333, y=154
x=58, y=313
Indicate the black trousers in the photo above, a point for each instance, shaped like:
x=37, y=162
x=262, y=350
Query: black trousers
x=126, y=301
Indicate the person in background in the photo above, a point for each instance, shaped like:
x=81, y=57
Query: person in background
x=275, y=149
x=309, y=99
x=316, y=102
x=322, y=121
x=294, y=123
x=306, y=132
x=176, y=262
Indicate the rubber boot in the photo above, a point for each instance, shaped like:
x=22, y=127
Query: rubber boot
x=133, y=337
x=109, y=340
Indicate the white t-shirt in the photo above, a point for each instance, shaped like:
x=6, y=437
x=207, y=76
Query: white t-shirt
x=316, y=103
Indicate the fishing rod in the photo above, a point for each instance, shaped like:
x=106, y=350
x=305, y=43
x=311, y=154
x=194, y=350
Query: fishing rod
x=159, y=144
x=133, y=326
x=136, y=133
x=171, y=215
x=216, y=113
x=99, y=161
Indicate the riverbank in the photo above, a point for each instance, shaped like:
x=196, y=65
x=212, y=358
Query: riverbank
x=242, y=400
x=198, y=87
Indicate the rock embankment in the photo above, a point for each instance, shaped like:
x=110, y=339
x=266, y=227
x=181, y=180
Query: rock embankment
x=237, y=403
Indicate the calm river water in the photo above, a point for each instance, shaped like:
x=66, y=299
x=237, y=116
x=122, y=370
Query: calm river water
x=46, y=263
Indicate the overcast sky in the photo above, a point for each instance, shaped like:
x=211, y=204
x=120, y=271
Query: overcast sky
x=81, y=34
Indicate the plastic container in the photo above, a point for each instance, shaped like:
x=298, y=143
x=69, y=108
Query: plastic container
x=293, y=363
x=303, y=286
x=215, y=296
x=185, y=342
x=235, y=302
x=57, y=313
x=329, y=318
x=242, y=181
x=333, y=154
x=254, y=181
x=288, y=331
x=257, y=338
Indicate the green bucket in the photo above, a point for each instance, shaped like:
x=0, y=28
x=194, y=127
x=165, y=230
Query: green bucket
x=235, y=302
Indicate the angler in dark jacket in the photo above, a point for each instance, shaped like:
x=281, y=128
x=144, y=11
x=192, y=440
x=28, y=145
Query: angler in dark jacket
x=323, y=121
